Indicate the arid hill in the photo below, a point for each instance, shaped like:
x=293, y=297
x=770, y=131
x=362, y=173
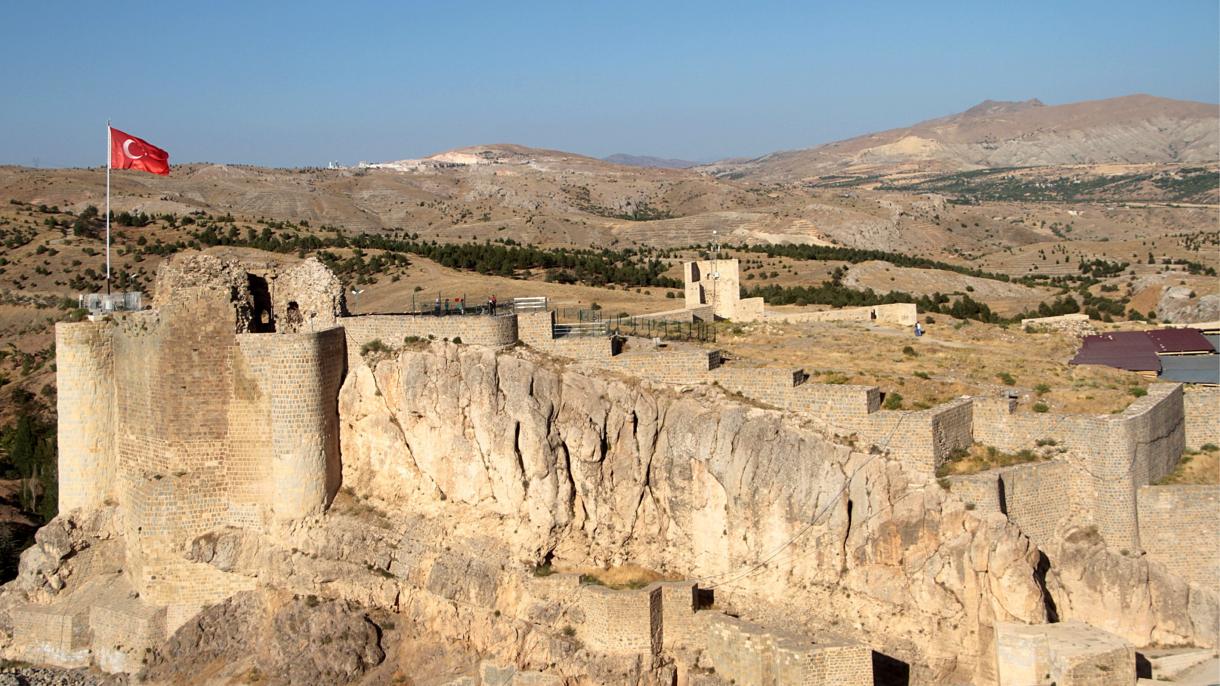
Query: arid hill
x=1133, y=129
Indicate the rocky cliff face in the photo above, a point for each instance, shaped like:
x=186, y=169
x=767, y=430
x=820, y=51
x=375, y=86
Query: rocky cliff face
x=785, y=526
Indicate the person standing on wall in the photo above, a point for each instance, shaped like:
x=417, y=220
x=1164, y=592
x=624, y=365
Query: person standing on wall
x=492, y=304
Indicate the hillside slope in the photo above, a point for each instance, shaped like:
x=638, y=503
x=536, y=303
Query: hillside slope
x=1126, y=130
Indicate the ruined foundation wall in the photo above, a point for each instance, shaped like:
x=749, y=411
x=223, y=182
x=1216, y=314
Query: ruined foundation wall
x=904, y=314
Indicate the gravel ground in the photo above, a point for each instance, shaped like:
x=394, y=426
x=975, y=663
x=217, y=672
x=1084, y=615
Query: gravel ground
x=51, y=676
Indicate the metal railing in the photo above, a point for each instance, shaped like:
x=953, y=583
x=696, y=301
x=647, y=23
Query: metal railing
x=100, y=303
x=532, y=303
x=581, y=329
x=702, y=332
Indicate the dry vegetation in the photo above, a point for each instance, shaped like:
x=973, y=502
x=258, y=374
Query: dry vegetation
x=954, y=358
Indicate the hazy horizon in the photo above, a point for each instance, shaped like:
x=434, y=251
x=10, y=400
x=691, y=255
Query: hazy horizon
x=300, y=85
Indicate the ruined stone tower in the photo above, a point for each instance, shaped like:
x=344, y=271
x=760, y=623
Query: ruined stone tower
x=217, y=407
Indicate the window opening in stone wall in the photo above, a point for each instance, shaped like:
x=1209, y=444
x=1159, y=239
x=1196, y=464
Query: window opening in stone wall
x=264, y=319
x=292, y=317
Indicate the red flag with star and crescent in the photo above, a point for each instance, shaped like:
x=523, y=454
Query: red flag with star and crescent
x=129, y=152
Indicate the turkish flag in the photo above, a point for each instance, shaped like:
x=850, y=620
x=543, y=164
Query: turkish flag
x=129, y=152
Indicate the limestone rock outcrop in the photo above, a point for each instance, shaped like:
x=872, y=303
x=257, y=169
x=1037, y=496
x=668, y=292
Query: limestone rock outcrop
x=1129, y=596
x=274, y=640
x=593, y=470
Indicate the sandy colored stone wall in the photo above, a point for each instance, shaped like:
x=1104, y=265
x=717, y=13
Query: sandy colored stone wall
x=677, y=365
x=1111, y=455
x=921, y=438
x=1202, y=407
x=1180, y=529
x=903, y=314
x=299, y=376
x=626, y=621
x=1066, y=654
x=85, y=404
x=391, y=329
x=1037, y=497
x=745, y=653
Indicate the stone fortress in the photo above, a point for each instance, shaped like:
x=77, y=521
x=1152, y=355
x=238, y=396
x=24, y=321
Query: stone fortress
x=222, y=416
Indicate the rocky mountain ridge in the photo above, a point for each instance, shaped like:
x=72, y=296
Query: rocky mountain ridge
x=1125, y=130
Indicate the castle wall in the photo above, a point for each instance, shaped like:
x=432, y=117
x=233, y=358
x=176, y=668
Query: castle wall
x=85, y=405
x=300, y=374
x=1111, y=455
x=622, y=621
x=1179, y=529
x=746, y=653
x=392, y=329
x=903, y=314
x=679, y=365
x=922, y=438
x=1202, y=407
x=1036, y=497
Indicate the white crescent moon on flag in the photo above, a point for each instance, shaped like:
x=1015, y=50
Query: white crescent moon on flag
x=127, y=149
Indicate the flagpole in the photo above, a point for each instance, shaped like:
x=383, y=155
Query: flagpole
x=108, y=143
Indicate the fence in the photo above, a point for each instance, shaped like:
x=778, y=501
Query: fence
x=98, y=303
x=526, y=304
x=703, y=332
x=458, y=304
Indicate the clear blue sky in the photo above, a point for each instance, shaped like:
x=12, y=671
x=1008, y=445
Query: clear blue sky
x=301, y=83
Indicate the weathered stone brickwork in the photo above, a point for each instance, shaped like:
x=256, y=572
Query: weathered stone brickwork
x=1037, y=497
x=1201, y=405
x=717, y=283
x=85, y=381
x=1111, y=455
x=674, y=364
x=1180, y=528
x=622, y=621
x=903, y=314
x=1067, y=654
x=392, y=329
x=746, y=653
x=211, y=424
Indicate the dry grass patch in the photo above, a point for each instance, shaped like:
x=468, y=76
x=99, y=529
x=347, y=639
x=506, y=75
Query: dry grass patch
x=1197, y=467
x=980, y=458
x=618, y=577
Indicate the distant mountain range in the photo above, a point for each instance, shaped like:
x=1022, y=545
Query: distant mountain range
x=646, y=161
x=1133, y=129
